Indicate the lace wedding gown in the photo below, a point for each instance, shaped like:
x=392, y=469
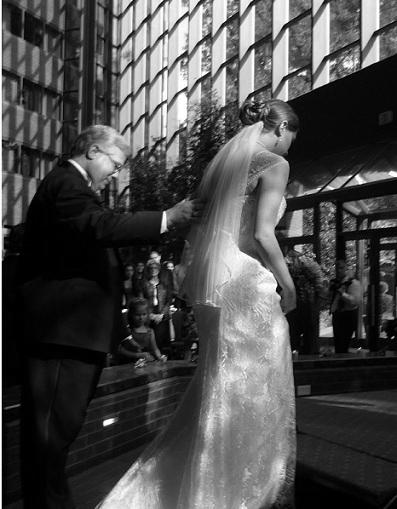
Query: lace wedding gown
x=231, y=443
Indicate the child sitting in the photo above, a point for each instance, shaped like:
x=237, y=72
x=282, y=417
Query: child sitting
x=141, y=344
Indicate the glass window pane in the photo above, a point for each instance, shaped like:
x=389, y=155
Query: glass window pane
x=232, y=7
x=349, y=221
x=232, y=123
x=182, y=146
x=71, y=76
x=72, y=44
x=206, y=56
x=100, y=111
x=263, y=65
x=12, y=19
x=232, y=81
x=299, y=84
x=388, y=42
x=297, y=7
x=11, y=88
x=378, y=204
x=300, y=44
x=377, y=163
x=207, y=17
x=71, y=106
x=232, y=38
x=344, y=23
x=384, y=223
x=114, y=91
x=52, y=105
x=183, y=67
x=344, y=63
x=100, y=80
x=263, y=19
x=32, y=96
x=34, y=30
x=30, y=163
x=10, y=157
x=206, y=90
x=100, y=20
x=183, y=35
x=48, y=162
x=54, y=42
x=263, y=95
x=72, y=17
x=387, y=12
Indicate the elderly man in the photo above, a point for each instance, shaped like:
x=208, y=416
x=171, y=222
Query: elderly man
x=71, y=295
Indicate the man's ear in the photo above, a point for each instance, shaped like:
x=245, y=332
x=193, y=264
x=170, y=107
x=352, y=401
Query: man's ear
x=92, y=152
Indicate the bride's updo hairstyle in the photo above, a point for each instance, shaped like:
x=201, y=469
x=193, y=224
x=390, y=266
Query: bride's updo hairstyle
x=271, y=113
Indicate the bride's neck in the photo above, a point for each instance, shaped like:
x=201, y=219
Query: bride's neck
x=267, y=141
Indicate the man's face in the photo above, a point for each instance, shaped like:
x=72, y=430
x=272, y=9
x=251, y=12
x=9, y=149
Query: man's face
x=104, y=164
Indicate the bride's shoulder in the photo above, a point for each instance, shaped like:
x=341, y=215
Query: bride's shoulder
x=263, y=161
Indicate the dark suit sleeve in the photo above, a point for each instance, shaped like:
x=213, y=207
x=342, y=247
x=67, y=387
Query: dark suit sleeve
x=79, y=209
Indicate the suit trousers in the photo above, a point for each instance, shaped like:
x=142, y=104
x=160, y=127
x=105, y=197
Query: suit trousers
x=58, y=384
x=344, y=324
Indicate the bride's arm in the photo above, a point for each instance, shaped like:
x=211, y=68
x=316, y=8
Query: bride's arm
x=271, y=187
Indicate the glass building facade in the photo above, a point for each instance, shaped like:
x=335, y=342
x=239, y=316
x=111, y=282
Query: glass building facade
x=47, y=97
x=174, y=53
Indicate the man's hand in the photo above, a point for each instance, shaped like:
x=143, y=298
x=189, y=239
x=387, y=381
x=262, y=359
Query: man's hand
x=184, y=213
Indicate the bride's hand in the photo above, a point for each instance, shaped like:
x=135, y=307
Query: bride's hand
x=288, y=300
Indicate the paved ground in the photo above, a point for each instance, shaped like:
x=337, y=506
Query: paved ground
x=347, y=455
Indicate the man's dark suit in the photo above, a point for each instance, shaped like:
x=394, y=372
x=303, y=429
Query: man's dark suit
x=71, y=294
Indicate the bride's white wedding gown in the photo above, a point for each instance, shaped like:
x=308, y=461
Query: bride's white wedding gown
x=231, y=443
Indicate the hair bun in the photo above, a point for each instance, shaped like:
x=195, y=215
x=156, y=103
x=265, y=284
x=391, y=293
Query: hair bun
x=253, y=111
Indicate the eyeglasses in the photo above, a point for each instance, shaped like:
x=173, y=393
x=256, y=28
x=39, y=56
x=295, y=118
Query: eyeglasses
x=117, y=166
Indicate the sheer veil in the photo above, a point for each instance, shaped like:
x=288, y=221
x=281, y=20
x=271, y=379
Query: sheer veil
x=222, y=187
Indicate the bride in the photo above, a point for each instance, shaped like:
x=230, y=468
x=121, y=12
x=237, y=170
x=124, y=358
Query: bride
x=231, y=442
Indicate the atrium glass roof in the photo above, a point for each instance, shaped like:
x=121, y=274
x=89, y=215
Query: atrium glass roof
x=363, y=165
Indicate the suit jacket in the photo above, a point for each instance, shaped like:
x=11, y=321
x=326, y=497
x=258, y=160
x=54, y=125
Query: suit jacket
x=71, y=279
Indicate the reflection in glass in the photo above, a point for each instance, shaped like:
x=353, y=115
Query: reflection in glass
x=263, y=19
x=263, y=95
x=388, y=42
x=327, y=252
x=387, y=12
x=34, y=30
x=11, y=88
x=183, y=35
x=263, y=65
x=183, y=72
x=232, y=7
x=297, y=7
x=298, y=223
x=344, y=63
x=205, y=56
x=232, y=81
x=300, y=47
x=232, y=38
x=384, y=223
x=349, y=221
x=207, y=17
x=344, y=23
x=299, y=84
x=305, y=249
